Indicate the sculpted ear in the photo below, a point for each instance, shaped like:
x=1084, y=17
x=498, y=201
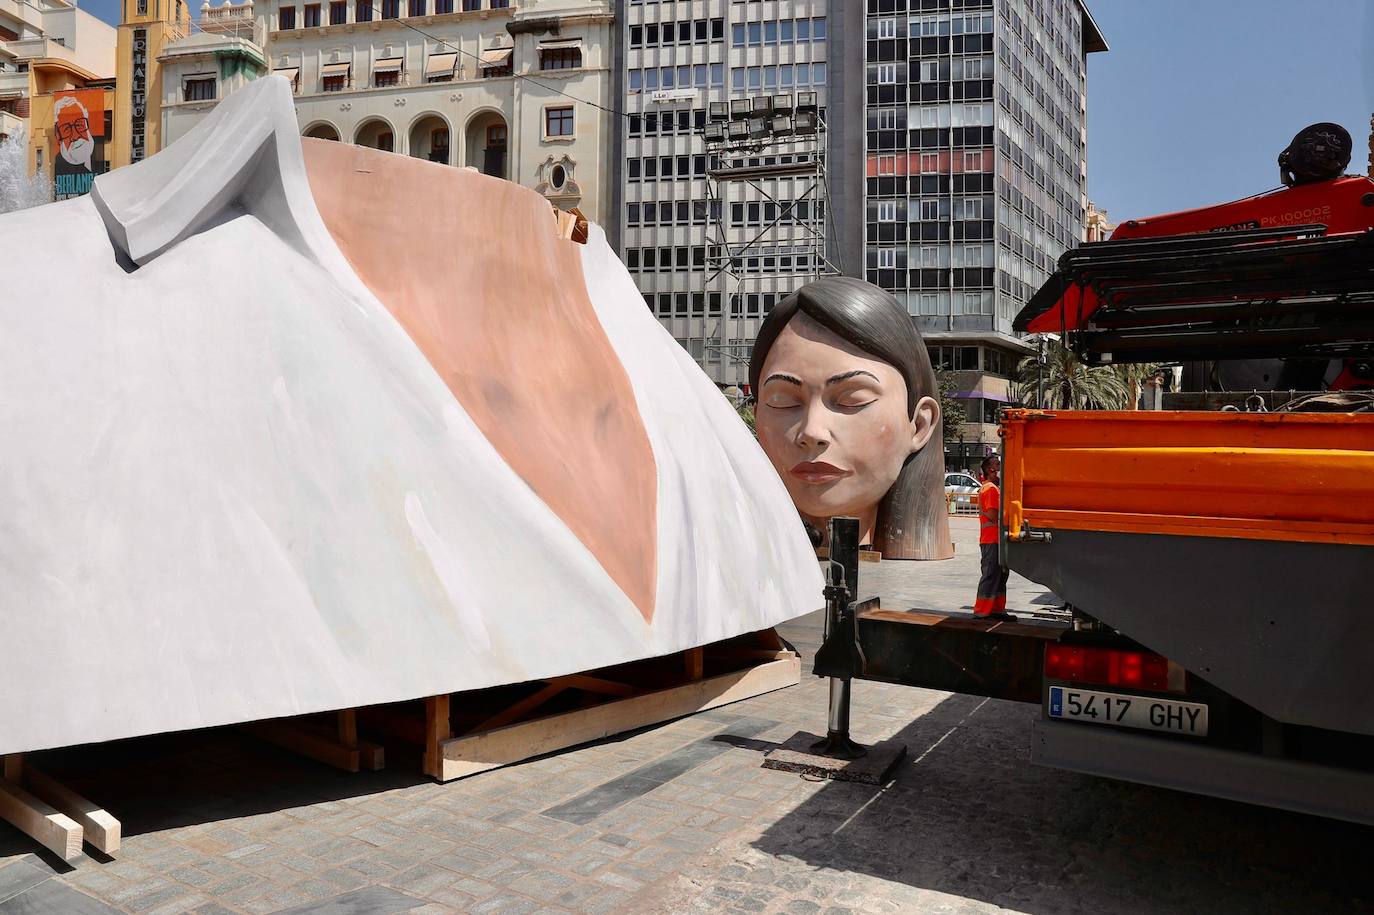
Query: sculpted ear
x=924, y=422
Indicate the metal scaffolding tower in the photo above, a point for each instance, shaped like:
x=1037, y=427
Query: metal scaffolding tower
x=776, y=145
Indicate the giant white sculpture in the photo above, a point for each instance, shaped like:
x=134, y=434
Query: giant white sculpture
x=236, y=483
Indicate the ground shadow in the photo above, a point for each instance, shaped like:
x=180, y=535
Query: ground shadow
x=964, y=817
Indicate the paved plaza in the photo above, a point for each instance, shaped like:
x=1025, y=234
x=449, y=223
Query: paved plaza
x=682, y=818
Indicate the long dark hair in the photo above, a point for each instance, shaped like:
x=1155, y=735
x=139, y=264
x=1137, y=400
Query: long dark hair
x=913, y=521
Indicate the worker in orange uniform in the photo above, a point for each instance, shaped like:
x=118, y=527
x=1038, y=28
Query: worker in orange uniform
x=992, y=585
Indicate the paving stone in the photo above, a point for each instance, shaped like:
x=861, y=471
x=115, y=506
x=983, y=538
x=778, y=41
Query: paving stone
x=51, y=897
x=19, y=876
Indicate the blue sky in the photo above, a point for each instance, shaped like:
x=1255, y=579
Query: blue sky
x=1196, y=98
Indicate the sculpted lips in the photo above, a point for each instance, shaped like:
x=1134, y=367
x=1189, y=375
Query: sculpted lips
x=818, y=472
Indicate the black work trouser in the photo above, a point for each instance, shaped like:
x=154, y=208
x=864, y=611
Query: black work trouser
x=992, y=584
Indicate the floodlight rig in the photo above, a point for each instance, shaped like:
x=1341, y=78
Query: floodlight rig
x=751, y=141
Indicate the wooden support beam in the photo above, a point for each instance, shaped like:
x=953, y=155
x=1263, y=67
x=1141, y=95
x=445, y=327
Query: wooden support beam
x=307, y=741
x=590, y=684
x=348, y=727
x=13, y=767
x=371, y=756
x=489, y=749
x=100, y=829
x=695, y=659
x=437, y=730
x=517, y=710
x=747, y=654
x=50, y=828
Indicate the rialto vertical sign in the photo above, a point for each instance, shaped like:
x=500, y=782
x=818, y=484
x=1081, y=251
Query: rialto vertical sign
x=139, y=96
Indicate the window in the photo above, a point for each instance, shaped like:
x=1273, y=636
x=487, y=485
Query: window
x=286, y=18
x=887, y=119
x=887, y=165
x=930, y=71
x=418, y=7
x=973, y=161
x=558, y=122
x=338, y=12
x=386, y=78
x=198, y=88
x=337, y=82
x=312, y=15
x=973, y=255
x=930, y=209
x=560, y=58
x=363, y=11
x=391, y=9
x=142, y=11
x=887, y=258
x=471, y=5
x=887, y=211
x=442, y=7
x=887, y=74
x=887, y=28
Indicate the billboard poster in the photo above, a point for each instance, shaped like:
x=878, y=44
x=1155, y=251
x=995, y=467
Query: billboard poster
x=79, y=117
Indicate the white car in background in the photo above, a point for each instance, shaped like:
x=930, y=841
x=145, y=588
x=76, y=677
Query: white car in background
x=961, y=492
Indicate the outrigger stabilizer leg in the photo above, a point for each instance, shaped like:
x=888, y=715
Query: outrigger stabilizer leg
x=840, y=656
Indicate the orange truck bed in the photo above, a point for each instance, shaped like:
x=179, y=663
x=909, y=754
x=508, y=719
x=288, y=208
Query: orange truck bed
x=1305, y=477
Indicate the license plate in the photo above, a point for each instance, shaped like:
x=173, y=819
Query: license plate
x=1144, y=712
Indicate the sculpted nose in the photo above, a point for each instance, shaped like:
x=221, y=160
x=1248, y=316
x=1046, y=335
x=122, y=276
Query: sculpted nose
x=813, y=432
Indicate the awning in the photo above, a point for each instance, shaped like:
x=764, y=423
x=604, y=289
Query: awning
x=558, y=44
x=291, y=73
x=496, y=57
x=439, y=64
x=389, y=65
x=335, y=69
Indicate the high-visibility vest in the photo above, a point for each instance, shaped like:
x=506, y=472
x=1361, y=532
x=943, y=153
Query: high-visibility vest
x=989, y=503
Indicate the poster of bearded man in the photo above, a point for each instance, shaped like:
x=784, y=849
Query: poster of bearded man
x=80, y=141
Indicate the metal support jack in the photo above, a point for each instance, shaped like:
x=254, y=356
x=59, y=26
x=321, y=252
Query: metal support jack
x=840, y=657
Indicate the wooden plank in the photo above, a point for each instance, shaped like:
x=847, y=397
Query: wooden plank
x=517, y=710
x=13, y=767
x=100, y=829
x=50, y=828
x=437, y=730
x=478, y=752
x=696, y=663
x=597, y=685
x=749, y=654
x=306, y=741
x=348, y=727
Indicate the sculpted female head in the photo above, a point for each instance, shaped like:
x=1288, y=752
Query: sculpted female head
x=847, y=414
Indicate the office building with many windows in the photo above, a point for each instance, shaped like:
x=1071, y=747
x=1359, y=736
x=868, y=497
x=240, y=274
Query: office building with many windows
x=688, y=244
x=975, y=161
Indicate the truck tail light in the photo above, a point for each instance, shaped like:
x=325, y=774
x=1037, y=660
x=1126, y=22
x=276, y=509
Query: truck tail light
x=1113, y=667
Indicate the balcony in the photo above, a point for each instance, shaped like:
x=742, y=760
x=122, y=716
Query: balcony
x=230, y=18
x=12, y=82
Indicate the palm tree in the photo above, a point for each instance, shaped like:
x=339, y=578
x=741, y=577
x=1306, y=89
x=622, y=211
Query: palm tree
x=1133, y=375
x=1069, y=384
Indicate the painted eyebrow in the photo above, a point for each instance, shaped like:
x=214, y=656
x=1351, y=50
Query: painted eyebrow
x=790, y=379
x=836, y=379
